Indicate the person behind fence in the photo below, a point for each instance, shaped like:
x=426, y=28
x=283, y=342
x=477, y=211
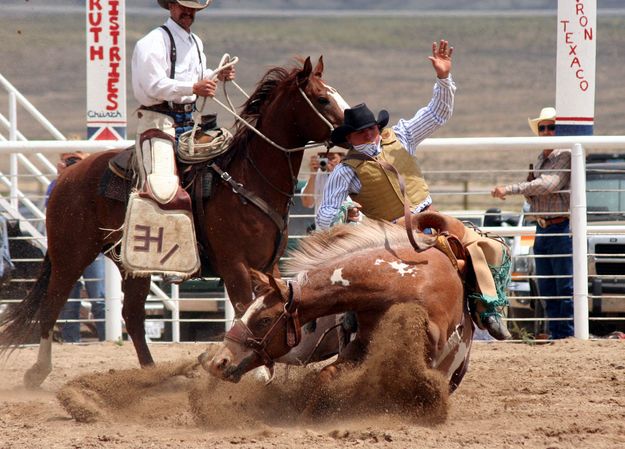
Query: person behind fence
x=547, y=192
x=6, y=264
x=321, y=166
x=93, y=276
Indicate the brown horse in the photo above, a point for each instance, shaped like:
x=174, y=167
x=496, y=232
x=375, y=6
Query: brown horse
x=290, y=107
x=366, y=269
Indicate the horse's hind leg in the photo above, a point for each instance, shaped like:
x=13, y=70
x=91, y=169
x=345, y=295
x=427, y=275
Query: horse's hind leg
x=133, y=311
x=59, y=287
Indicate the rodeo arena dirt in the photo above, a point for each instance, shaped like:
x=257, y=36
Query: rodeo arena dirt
x=563, y=394
x=525, y=393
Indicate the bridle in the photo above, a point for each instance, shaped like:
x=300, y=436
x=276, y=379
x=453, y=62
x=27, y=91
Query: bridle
x=240, y=333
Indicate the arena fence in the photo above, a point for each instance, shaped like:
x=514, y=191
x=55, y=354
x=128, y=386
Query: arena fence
x=30, y=170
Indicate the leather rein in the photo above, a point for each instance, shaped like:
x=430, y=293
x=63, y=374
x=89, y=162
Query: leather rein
x=240, y=333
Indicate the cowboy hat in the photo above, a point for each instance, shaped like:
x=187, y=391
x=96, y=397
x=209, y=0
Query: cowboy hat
x=195, y=4
x=545, y=114
x=357, y=118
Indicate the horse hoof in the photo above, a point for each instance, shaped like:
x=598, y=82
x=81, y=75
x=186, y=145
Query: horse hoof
x=34, y=377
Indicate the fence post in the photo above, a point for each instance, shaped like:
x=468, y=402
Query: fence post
x=113, y=301
x=580, y=248
x=13, y=157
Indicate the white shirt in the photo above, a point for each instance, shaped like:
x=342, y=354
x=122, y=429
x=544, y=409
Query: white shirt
x=151, y=66
x=343, y=179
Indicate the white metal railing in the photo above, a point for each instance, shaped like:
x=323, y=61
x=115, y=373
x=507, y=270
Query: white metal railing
x=580, y=229
x=20, y=150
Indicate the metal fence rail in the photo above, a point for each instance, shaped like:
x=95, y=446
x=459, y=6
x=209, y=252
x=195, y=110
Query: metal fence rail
x=30, y=171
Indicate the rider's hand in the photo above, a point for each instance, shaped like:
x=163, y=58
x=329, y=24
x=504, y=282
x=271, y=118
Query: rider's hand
x=499, y=192
x=205, y=88
x=353, y=212
x=227, y=74
x=441, y=58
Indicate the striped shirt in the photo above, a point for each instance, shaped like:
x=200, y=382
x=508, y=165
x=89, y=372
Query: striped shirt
x=343, y=179
x=548, y=194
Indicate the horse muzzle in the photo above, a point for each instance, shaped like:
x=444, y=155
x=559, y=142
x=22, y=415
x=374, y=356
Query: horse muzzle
x=223, y=365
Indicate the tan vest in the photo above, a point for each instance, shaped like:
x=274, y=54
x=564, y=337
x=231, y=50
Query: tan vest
x=380, y=195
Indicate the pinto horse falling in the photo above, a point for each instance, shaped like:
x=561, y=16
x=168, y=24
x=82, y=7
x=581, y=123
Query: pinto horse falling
x=367, y=269
x=291, y=107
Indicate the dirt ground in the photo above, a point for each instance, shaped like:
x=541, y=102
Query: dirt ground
x=566, y=394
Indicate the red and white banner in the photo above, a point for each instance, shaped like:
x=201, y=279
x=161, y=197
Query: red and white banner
x=575, y=80
x=106, y=69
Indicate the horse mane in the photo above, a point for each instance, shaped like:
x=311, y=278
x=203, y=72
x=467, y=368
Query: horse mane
x=322, y=247
x=264, y=93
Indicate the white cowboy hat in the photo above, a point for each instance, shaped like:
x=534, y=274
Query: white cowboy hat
x=545, y=114
x=195, y=4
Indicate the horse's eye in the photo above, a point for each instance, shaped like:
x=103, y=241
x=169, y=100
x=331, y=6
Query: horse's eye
x=323, y=101
x=265, y=322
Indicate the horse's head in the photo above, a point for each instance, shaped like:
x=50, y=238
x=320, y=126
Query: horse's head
x=321, y=108
x=268, y=329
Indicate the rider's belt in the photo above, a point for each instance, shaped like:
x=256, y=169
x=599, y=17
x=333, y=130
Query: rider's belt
x=168, y=107
x=546, y=222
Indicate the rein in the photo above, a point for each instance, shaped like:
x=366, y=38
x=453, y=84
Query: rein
x=387, y=166
x=240, y=333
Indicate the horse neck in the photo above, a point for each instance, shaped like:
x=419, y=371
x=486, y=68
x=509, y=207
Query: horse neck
x=277, y=125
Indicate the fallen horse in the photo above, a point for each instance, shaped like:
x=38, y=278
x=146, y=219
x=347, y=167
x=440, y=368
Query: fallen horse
x=365, y=269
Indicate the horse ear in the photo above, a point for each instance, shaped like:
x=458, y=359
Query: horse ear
x=304, y=74
x=282, y=289
x=318, y=70
x=258, y=279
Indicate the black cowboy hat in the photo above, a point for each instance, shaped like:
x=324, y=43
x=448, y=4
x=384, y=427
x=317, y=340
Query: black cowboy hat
x=357, y=118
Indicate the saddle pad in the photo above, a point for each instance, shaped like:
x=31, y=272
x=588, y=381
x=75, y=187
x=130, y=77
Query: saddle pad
x=158, y=241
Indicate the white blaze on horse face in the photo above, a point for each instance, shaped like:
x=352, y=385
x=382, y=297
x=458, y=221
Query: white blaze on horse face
x=257, y=305
x=336, y=96
x=337, y=278
x=401, y=267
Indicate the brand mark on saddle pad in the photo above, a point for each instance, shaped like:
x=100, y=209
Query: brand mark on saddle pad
x=158, y=241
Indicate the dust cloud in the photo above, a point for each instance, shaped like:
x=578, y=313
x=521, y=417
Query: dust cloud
x=392, y=382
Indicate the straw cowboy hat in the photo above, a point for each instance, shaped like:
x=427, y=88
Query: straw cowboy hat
x=195, y=4
x=545, y=114
x=357, y=118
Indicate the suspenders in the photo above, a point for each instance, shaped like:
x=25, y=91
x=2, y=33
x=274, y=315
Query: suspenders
x=172, y=53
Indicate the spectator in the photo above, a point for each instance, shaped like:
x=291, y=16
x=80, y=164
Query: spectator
x=546, y=191
x=93, y=276
x=321, y=165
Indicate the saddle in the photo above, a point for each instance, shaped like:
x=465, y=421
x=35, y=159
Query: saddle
x=489, y=257
x=197, y=178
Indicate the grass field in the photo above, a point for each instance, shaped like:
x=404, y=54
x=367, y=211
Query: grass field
x=504, y=68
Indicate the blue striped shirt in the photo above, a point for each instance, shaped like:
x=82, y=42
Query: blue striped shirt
x=343, y=179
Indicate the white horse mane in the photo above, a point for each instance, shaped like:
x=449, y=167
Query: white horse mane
x=321, y=247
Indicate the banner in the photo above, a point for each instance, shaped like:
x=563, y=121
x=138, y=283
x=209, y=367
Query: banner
x=575, y=79
x=106, y=69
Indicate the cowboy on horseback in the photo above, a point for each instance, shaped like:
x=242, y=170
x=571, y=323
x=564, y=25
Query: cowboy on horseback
x=169, y=73
x=380, y=171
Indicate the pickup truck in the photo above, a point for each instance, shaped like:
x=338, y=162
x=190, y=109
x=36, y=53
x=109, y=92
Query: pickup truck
x=605, y=196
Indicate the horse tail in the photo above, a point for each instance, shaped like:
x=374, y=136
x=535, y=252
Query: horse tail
x=19, y=321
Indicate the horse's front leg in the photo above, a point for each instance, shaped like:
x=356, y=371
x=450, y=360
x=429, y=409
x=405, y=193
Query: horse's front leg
x=238, y=286
x=133, y=311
